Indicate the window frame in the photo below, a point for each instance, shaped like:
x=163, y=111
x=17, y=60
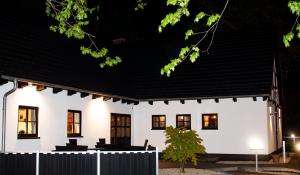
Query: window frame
x=73, y=123
x=159, y=128
x=184, y=115
x=210, y=115
x=29, y=136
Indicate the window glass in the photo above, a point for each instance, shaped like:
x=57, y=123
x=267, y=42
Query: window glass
x=159, y=122
x=74, y=123
x=31, y=127
x=183, y=120
x=31, y=115
x=76, y=117
x=22, y=128
x=210, y=121
x=27, y=122
x=22, y=114
x=127, y=121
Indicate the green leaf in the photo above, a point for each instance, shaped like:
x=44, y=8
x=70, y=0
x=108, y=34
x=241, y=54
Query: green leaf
x=212, y=19
x=159, y=29
x=193, y=56
x=288, y=38
x=294, y=7
x=195, y=49
x=188, y=34
x=298, y=30
x=171, y=2
x=199, y=16
x=183, y=51
x=103, y=52
x=140, y=5
x=183, y=3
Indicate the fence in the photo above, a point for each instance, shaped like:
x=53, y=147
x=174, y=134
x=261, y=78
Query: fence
x=80, y=163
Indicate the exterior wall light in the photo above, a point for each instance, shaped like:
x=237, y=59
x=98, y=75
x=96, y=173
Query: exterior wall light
x=294, y=138
x=256, y=145
x=298, y=147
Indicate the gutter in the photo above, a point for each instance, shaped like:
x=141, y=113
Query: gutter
x=4, y=113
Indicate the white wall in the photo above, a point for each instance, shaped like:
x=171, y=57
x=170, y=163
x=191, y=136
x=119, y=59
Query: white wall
x=239, y=123
x=53, y=118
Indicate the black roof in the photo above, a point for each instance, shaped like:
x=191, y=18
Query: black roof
x=239, y=64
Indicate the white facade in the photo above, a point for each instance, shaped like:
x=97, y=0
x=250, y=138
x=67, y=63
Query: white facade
x=52, y=118
x=239, y=123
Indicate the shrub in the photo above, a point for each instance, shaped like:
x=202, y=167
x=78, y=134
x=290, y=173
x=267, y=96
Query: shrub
x=182, y=145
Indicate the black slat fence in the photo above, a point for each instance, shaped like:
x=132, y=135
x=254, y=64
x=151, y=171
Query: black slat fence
x=16, y=164
x=67, y=164
x=80, y=163
x=128, y=163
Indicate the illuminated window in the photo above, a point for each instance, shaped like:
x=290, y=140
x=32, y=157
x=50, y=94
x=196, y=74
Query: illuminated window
x=183, y=121
x=209, y=121
x=159, y=122
x=27, y=122
x=74, y=123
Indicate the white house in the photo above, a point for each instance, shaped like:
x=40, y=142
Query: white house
x=50, y=94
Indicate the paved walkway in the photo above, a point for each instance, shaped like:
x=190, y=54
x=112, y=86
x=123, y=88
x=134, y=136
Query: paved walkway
x=242, y=169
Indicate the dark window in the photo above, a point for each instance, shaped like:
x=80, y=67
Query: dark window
x=27, y=122
x=74, y=123
x=159, y=122
x=209, y=121
x=183, y=121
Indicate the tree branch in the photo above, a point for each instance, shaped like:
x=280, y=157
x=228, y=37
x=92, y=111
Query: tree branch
x=213, y=28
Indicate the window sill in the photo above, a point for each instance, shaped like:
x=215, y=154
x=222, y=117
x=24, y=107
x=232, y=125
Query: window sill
x=75, y=136
x=209, y=128
x=184, y=128
x=158, y=129
x=21, y=138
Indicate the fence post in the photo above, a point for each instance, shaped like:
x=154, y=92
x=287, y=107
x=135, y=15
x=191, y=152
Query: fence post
x=98, y=162
x=37, y=163
x=156, y=153
x=283, y=150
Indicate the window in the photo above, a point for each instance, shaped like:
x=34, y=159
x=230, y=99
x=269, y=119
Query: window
x=183, y=120
x=74, y=123
x=209, y=121
x=158, y=122
x=27, y=122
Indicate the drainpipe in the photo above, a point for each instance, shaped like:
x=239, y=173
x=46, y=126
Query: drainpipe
x=4, y=114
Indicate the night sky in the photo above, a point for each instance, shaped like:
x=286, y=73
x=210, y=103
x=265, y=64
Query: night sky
x=118, y=20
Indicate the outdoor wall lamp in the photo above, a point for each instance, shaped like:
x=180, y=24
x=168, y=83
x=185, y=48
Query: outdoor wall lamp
x=298, y=147
x=294, y=138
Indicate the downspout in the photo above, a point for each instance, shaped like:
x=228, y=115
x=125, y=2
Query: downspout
x=4, y=114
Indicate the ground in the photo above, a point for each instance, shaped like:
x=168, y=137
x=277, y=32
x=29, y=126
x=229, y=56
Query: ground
x=291, y=168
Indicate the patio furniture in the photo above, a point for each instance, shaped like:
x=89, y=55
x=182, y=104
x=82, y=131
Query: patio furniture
x=101, y=145
x=71, y=146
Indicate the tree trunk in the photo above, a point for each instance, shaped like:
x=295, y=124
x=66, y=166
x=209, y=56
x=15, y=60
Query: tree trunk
x=182, y=167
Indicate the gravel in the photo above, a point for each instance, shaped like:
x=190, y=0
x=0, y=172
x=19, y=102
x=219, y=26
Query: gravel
x=189, y=171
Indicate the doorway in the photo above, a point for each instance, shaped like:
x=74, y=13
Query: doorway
x=120, y=129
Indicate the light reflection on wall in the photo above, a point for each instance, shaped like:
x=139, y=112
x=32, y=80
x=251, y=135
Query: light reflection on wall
x=98, y=109
x=29, y=96
x=256, y=143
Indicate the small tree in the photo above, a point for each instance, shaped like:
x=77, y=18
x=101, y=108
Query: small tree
x=182, y=146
